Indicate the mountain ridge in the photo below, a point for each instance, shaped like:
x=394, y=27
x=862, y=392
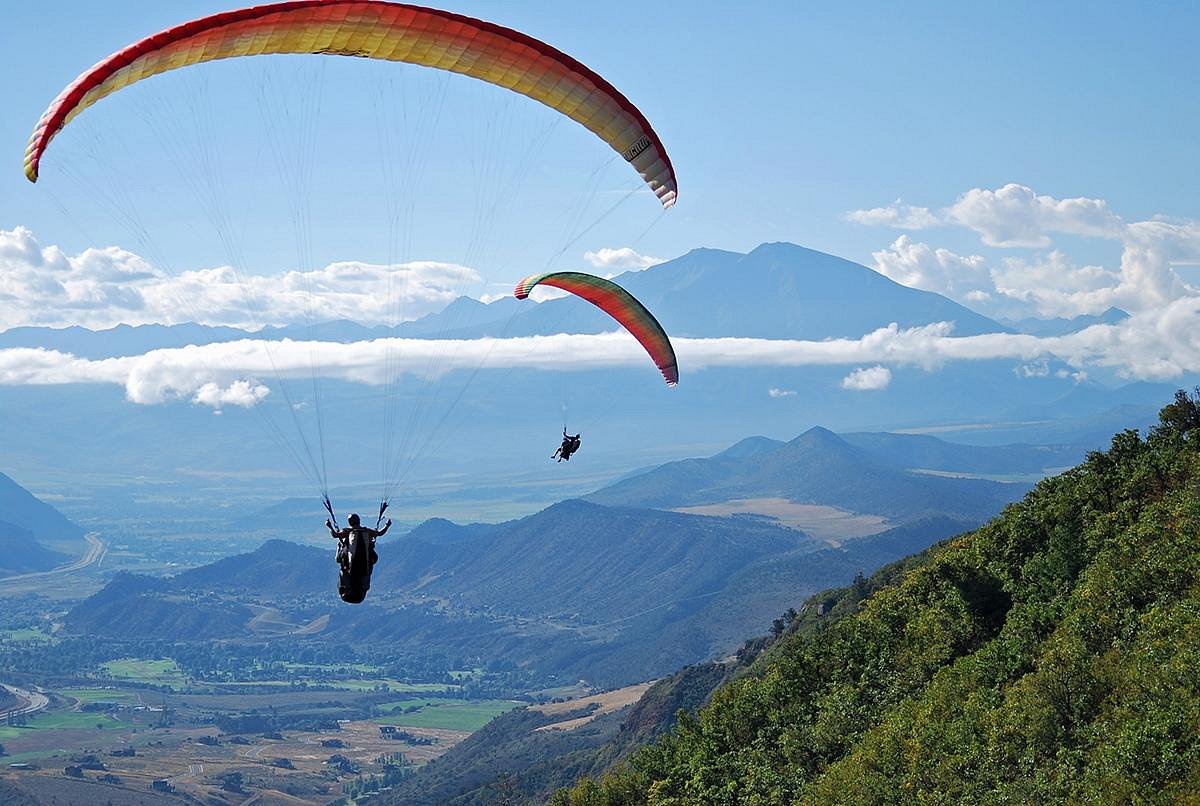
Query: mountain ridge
x=816, y=467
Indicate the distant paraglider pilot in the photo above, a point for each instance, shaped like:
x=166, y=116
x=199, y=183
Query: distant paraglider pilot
x=569, y=445
x=356, y=556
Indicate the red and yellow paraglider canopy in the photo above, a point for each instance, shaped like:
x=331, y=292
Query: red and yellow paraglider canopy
x=376, y=29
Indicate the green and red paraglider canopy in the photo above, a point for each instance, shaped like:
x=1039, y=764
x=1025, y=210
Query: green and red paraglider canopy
x=620, y=305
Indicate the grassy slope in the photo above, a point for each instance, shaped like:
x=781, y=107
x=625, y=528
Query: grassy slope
x=1052, y=655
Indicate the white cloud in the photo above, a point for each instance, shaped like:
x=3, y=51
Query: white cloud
x=868, y=379
x=918, y=265
x=1052, y=285
x=609, y=259
x=898, y=215
x=239, y=393
x=777, y=392
x=1155, y=345
x=1035, y=369
x=100, y=288
x=545, y=293
x=1048, y=284
x=1015, y=215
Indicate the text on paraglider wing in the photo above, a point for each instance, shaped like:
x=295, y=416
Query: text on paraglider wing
x=630, y=154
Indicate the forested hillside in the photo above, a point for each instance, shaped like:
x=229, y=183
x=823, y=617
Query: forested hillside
x=1052, y=655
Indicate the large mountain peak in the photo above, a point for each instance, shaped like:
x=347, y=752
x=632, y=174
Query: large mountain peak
x=818, y=438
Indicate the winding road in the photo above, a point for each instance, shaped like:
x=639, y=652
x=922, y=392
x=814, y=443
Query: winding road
x=31, y=701
x=96, y=550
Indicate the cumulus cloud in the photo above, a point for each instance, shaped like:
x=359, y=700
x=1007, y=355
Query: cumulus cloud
x=101, y=288
x=777, y=392
x=241, y=393
x=608, y=259
x=1015, y=215
x=1158, y=345
x=868, y=379
x=918, y=265
x=1048, y=283
x=1053, y=285
x=898, y=215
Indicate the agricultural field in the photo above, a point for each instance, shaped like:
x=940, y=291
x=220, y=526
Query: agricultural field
x=198, y=760
x=448, y=714
x=341, y=669
x=395, y=686
x=35, y=634
x=145, y=672
x=60, y=720
x=92, y=695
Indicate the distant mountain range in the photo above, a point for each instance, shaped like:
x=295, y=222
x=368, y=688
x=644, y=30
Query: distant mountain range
x=616, y=589
x=784, y=292
x=819, y=467
x=1061, y=326
x=499, y=420
x=578, y=591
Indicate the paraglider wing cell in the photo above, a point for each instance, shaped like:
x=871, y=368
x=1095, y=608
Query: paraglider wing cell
x=379, y=30
x=620, y=305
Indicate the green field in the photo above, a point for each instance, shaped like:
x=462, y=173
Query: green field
x=59, y=720
x=452, y=714
x=27, y=634
x=570, y=692
x=150, y=672
x=331, y=668
x=421, y=702
x=252, y=683
x=86, y=695
x=393, y=685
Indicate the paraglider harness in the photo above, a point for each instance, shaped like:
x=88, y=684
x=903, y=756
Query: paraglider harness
x=570, y=444
x=356, y=556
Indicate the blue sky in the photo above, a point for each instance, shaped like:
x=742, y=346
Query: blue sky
x=1025, y=159
x=779, y=116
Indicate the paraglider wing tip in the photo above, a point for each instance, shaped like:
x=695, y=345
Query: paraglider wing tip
x=525, y=286
x=33, y=153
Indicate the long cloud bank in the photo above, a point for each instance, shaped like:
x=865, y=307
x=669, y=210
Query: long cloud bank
x=1163, y=346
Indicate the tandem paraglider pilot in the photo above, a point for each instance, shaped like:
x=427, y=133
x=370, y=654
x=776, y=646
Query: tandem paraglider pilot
x=356, y=556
